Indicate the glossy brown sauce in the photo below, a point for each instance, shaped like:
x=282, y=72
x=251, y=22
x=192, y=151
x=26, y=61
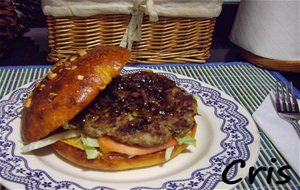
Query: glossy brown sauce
x=143, y=109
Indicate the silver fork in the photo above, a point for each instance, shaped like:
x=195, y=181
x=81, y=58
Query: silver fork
x=286, y=105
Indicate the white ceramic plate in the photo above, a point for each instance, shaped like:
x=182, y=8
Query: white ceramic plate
x=226, y=132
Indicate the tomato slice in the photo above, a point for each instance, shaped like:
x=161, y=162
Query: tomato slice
x=112, y=146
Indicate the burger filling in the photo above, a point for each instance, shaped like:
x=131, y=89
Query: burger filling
x=143, y=109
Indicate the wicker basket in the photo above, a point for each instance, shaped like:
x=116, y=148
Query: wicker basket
x=170, y=40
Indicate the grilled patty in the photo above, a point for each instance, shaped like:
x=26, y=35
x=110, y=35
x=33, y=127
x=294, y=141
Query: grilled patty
x=143, y=108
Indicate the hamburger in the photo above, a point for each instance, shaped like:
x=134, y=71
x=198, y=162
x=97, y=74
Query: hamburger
x=96, y=118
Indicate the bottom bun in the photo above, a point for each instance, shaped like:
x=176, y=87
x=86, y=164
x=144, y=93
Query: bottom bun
x=115, y=161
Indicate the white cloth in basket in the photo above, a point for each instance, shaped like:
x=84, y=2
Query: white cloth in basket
x=169, y=8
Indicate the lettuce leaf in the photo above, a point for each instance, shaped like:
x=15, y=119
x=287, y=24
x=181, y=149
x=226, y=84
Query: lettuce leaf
x=89, y=141
x=50, y=140
x=168, y=153
x=91, y=152
x=186, y=140
x=91, y=147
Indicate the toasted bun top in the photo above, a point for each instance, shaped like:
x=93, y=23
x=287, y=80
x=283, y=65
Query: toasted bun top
x=68, y=88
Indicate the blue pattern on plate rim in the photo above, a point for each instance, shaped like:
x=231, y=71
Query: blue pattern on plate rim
x=234, y=146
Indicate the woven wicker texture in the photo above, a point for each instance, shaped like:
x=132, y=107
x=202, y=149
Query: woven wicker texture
x=170, y=40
